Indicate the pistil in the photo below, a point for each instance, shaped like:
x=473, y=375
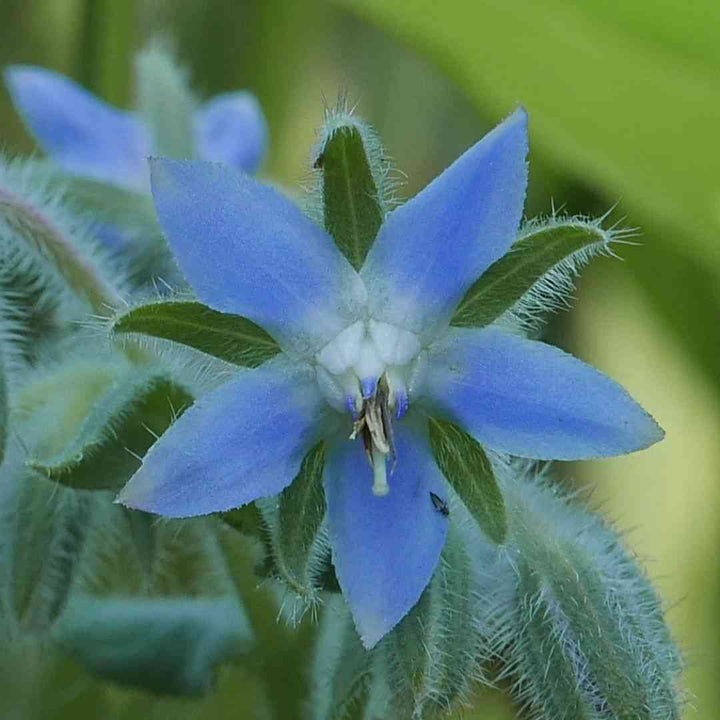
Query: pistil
x=374, y=425
x=380, y=486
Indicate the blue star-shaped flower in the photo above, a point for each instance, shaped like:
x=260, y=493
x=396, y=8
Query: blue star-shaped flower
x=89, y=137
x=374, y=349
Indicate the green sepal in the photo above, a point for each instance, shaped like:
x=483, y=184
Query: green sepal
x=120, y=427
x=467, y=468
x=169, y=646
x=429, y=658
x=560, y=244
x=166, y=103
x=352, y=210
x=297, y=535
x=232, y=338
x=301, y=511
x=583, y=607
x=568, y=616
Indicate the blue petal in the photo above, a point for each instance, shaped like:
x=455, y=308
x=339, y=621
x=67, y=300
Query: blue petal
x=231, y=129
x=385, y=549
x=530, y=399
x=243, y=441
x=247, y=249
x=80, y=132
x=432, y=248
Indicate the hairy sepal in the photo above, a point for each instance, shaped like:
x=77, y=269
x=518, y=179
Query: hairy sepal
x=467, y=468
x=354, y=185
x=298, y=535
x=584, y=636
x=49, y=245
x=537, y=274
x=231, y=338
x=118, y=429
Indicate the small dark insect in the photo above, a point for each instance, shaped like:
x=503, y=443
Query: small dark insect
x=319, y=161
x=439, y=504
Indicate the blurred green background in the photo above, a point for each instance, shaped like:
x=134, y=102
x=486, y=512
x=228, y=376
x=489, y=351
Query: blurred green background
x=624, y=101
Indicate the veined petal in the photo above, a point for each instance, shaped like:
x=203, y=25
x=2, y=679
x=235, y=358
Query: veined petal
x=231, y=129
x=385, y=549
x=246, y=249
x=243, y=441
x=431, y=249
x=80, y=132
x=530, y=399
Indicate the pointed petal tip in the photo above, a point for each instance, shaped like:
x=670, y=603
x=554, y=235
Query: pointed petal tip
x=130, y=498
x=532, y=400
x=520, y=115
x=370, y=637
x=650, y=434
x=15, y=74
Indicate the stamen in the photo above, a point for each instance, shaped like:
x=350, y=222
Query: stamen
x=369, y=387
x=403, y=403
x=397, y=391
x=376, y=426
x=380, y=486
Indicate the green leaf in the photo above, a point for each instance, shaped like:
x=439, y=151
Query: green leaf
x=466, y=467
x=561, y=244
x=165, y=102
x=232, y=338
x=120, y=427
x=352, y=209
x=167, y=646
x=625, y=93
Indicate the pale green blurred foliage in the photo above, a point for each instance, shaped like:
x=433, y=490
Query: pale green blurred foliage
x=624, y=101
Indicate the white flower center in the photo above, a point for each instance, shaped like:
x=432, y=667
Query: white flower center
x=365, y=370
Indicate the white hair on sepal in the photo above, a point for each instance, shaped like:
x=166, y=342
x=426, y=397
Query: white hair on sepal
x=387, y=178
x=554, y=290
x=53, y=271
x=556, y=547
x=199, y=372
x=41, y=223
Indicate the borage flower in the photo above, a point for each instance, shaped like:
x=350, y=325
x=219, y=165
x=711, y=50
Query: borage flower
x=86, y=136
x=367, y=358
